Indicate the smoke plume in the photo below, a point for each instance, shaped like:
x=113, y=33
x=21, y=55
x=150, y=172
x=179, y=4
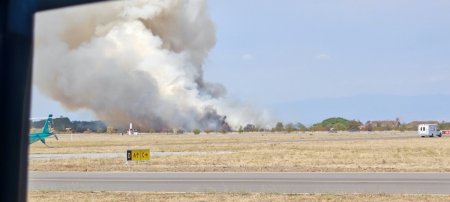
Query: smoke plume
x=136, y=61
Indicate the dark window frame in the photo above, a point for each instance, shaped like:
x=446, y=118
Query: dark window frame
x=16, y=46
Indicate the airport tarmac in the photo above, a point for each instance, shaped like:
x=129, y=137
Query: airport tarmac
x=271, y=182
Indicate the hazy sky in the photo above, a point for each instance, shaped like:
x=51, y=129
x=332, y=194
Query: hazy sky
x=309, y=60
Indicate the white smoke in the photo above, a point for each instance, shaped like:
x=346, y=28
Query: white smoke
x=138, y=61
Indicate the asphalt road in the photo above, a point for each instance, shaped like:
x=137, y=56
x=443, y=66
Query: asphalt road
x=408, y=183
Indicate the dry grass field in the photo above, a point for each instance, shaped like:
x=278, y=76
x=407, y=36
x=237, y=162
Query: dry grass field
x=49, y=196
x=355, y=152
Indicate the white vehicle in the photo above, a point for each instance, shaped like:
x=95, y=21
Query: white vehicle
x=429, y=130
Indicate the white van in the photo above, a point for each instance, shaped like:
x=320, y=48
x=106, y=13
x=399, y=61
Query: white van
x=429, y=130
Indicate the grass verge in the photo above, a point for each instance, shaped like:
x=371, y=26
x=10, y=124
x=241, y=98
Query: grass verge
x=255, y=153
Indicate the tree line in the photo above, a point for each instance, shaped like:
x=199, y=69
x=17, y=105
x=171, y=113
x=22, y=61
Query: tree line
x=65, y=125
x=341, y=124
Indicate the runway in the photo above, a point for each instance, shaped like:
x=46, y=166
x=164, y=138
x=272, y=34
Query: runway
x=276, y=182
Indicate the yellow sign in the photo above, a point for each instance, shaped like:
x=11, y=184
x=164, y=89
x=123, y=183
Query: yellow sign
x=138, y=155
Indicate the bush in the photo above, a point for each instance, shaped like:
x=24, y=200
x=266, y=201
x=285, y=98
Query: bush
x=196, y=131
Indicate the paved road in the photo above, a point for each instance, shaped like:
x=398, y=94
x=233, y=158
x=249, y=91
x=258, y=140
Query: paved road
x=431, y=183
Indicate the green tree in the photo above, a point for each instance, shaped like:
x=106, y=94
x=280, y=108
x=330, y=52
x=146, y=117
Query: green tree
x=279, y=127
x=289, y=127
x=110, y=130
x=250, y=128
x=337, y=123
x=402, y=128
x=444, y=126
x=301, y=127
x=354, y=125
x=196, y=131
x=241, y=130
x=318, y=127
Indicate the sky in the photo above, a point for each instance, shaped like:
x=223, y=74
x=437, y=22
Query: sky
x=305, y=61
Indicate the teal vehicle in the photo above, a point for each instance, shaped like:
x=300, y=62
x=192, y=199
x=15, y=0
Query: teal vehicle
x=46, y=132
